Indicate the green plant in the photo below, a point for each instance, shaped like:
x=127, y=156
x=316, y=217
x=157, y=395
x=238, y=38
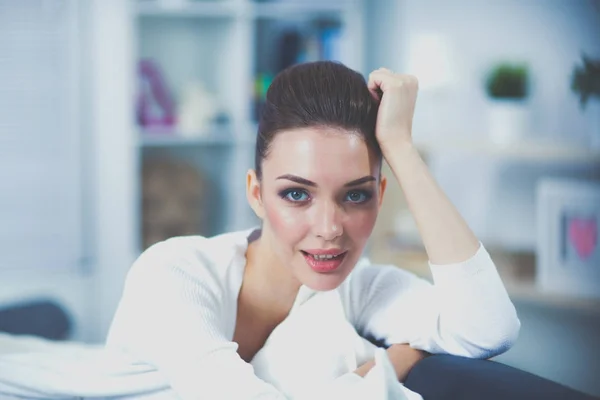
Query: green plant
x=585, y=80
x=508, y=81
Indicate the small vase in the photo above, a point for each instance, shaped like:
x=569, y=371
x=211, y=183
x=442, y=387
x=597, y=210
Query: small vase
x=508, y=121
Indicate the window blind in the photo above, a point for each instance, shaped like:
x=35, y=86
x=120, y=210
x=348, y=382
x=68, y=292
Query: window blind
x=40, y=151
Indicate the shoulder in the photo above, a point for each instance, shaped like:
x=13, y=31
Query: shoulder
x=189, y=258
x=192, y=275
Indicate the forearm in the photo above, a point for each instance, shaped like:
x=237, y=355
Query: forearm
x=446, y=236
x=402, y=357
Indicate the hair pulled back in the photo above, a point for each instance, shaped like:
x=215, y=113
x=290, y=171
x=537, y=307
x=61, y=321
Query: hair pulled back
x=317, y=94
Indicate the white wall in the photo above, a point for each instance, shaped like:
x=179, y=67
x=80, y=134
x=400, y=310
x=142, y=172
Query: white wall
x=110, y=165
x=41, y=224
x=549, y=35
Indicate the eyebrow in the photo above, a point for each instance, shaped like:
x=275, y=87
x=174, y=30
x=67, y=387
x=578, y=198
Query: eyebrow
x=306, y=182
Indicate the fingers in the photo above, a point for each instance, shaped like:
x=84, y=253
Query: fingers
x=375, y=82
x=383, y=79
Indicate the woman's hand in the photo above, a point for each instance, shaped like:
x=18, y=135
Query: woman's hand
x=397, y=94
x=403, y=358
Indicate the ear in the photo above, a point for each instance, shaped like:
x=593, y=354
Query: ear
x=382, y=187
x=253, y=193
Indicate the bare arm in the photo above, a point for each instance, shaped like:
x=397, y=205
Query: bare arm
x=445, y=234
x=467, y=311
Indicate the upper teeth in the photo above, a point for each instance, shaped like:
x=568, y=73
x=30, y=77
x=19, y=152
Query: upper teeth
x=324, y=256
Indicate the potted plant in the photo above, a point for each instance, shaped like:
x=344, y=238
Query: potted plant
x=507, y=85
x=585, y=82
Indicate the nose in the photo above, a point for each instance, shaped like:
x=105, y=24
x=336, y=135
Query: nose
x=328, y=223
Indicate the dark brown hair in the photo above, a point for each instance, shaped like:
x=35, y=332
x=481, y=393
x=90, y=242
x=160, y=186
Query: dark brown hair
x=322, y=93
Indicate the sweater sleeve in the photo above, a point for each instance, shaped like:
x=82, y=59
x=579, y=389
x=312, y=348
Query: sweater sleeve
x=465, y=312
x=171, y=316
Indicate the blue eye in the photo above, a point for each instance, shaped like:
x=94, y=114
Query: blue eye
x=294, y=195
x=358, y=197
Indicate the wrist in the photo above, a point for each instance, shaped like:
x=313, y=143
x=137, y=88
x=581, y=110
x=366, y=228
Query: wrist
x=401, y=156
x=364, y=369
x=398, y=143
x=403, y=358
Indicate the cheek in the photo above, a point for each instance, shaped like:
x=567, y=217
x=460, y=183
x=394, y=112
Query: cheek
x=287, y=223
x=360, y=224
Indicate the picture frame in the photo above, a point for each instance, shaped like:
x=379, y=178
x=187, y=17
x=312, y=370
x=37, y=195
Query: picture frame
x=568, y=237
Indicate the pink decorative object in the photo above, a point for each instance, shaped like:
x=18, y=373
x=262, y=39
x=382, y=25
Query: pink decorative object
x=583, y=234
x=155, y=107
x=568, y=251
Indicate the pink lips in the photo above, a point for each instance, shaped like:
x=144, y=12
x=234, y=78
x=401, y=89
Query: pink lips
x=324, y=265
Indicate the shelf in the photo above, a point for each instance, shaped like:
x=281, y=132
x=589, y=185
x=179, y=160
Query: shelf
x=228, y=8
x=295, y=9
x=189, y=9
x=530, y=151
x=155, y=138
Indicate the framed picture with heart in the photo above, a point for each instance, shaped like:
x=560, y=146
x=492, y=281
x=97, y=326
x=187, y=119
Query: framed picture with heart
x=568, y=241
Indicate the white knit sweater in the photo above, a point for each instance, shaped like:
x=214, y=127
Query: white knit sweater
x=178, y=313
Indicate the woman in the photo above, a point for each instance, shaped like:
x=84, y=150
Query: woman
x=201, y=309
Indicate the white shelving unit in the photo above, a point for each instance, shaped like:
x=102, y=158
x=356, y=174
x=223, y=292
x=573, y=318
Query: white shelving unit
x=527, y=151
x=278, y=10
x=219, y=136
x=157, y=141
x=191, y=9
x=225, y=44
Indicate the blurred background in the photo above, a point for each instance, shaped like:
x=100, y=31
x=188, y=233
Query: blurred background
x=123, y=123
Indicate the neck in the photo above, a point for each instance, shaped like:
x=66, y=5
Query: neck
x=267, y=273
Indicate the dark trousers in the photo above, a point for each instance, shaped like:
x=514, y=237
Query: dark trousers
x=446, y=377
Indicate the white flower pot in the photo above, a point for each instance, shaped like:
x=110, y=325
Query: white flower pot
x=508, y=121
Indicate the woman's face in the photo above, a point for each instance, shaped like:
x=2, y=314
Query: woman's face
x=319, y=197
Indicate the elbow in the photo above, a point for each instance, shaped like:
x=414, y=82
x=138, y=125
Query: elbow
x=512, y=330
x=496, y=340
x=511, y=334
x=503, y=340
